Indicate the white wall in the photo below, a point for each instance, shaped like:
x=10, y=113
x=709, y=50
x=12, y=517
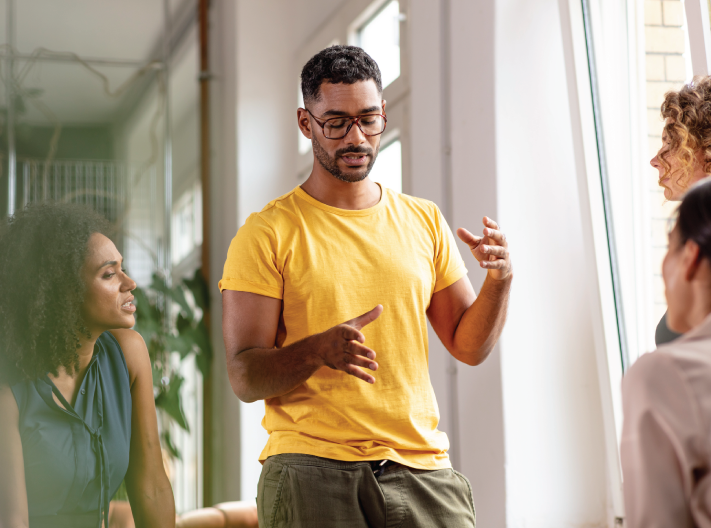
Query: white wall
x=554, y=432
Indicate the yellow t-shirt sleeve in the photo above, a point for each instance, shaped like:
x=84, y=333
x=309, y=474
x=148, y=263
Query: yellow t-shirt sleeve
x=251, y=264
x=449, y=265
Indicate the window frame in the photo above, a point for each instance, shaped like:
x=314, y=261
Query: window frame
x=699, y=24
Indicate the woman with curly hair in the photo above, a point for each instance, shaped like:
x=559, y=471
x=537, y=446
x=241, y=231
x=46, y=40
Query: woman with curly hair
x=77, y=414
x=685, y=156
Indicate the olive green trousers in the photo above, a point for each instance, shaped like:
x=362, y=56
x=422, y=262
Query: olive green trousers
x=304, y=491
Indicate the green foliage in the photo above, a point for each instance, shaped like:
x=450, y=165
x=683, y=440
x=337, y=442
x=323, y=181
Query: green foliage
x=180, y=330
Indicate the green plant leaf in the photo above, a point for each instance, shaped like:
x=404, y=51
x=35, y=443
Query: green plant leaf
x=199, y=289
x=170, y=446
x=182, y=323
x=170, y=401
x=179, y=344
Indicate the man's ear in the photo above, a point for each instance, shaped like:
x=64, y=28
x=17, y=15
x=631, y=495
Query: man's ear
x=691, y=260
x=383, y=104
x=302, y=118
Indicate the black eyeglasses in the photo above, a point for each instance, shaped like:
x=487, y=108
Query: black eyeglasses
x=338, y=127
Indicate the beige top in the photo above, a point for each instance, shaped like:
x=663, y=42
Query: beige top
x=666, y=437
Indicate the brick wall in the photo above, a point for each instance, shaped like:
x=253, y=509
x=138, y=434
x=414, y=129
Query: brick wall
x=666, y=67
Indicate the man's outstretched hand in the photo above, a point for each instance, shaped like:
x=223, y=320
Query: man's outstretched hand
x=491, y=250
x=341, y=347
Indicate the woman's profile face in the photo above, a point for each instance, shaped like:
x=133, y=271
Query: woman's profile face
x=673, y=190
x=108, y=299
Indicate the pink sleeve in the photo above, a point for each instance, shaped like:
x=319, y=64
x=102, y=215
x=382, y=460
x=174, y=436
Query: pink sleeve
x=660, y=432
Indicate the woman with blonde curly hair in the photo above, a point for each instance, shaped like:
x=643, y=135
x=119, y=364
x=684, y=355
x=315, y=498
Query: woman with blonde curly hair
x=685, y=156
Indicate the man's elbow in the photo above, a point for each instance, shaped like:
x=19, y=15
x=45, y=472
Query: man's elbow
x=239, y=381
x=473, y=358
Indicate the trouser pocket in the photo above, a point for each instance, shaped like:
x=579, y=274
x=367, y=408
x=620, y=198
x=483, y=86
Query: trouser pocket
x=269, y=494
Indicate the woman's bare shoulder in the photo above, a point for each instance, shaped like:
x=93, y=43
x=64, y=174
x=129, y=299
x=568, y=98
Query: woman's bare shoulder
x=134, y=350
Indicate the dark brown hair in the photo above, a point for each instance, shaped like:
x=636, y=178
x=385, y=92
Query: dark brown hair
x=694, y=217
x=42, y=252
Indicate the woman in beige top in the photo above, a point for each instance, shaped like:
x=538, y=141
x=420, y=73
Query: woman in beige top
x=666, y=437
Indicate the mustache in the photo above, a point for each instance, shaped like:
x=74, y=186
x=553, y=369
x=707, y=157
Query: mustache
x=354, y=150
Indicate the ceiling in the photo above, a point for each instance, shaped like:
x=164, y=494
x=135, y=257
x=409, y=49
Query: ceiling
x=67, y=91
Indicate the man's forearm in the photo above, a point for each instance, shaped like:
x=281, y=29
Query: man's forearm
x=261, y=373
x=481, y=325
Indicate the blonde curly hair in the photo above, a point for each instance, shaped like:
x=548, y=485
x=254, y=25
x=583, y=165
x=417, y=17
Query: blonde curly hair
x=687, y=114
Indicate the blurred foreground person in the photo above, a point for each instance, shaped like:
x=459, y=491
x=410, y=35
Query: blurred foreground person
x=77, y=414
x=326, y=295
x=685, y=156
x=236, y=514
x=666, y=447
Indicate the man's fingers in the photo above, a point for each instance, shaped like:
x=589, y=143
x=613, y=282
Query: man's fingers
x=497, y=251
x=356, y=349
x=359, y=361
x=366, y=318
x=496, y=235
x=468, y=238
x=488, y=222
x=358, y=373
x=493, y=264
x=351, y=334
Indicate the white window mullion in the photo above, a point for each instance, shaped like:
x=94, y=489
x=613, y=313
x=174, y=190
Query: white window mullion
x=697, y=19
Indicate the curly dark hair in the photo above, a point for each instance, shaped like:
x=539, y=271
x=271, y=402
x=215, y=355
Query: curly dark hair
x=337, y=64
x=42, y=251
x=688, y=127
x=694, y=217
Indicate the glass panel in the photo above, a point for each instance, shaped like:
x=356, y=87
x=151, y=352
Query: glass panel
x=668, y=67
x=380, y=38
x=629, y=86
x=387, y=170
x=89, y=117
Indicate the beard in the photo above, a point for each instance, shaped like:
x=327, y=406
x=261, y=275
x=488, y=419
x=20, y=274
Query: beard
x=331, y=163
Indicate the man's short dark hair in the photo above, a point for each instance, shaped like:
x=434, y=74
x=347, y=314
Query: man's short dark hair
x=338, y=64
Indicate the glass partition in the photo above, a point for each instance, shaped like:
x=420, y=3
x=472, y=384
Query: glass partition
x=637, y=52
x=97, y=109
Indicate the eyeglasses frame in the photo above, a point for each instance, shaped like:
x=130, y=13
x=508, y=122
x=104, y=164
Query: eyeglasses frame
x=354, y=119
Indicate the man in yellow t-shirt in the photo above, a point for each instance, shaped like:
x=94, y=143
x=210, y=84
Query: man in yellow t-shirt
x=326, y=292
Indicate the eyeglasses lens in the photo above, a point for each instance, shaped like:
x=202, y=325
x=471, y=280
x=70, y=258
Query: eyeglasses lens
x=371, y=125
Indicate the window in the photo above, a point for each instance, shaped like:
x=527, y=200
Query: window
x=187, y=223
x=304, y=142
x=625, y=57
x=380, y=38
x=388, y=168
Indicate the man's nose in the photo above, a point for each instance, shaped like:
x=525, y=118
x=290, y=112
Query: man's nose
x=355, y=136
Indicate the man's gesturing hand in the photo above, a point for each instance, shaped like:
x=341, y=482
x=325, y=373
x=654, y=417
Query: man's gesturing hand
x=341, y=347
x=491, y=250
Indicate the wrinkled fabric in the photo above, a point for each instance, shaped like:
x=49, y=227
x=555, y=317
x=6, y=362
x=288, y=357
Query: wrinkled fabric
x=328, y=266
x=76, y=457
x=303, y=491
x=666, y=437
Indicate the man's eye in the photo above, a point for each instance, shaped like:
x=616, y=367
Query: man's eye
x=338, y=123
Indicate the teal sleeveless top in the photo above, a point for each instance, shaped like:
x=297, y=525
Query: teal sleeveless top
x=76, y=458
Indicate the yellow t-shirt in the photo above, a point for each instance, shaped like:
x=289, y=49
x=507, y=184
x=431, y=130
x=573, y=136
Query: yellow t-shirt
x=330, y=265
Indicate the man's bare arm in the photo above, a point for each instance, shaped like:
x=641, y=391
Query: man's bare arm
x=258, y=370
x=469, y=326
